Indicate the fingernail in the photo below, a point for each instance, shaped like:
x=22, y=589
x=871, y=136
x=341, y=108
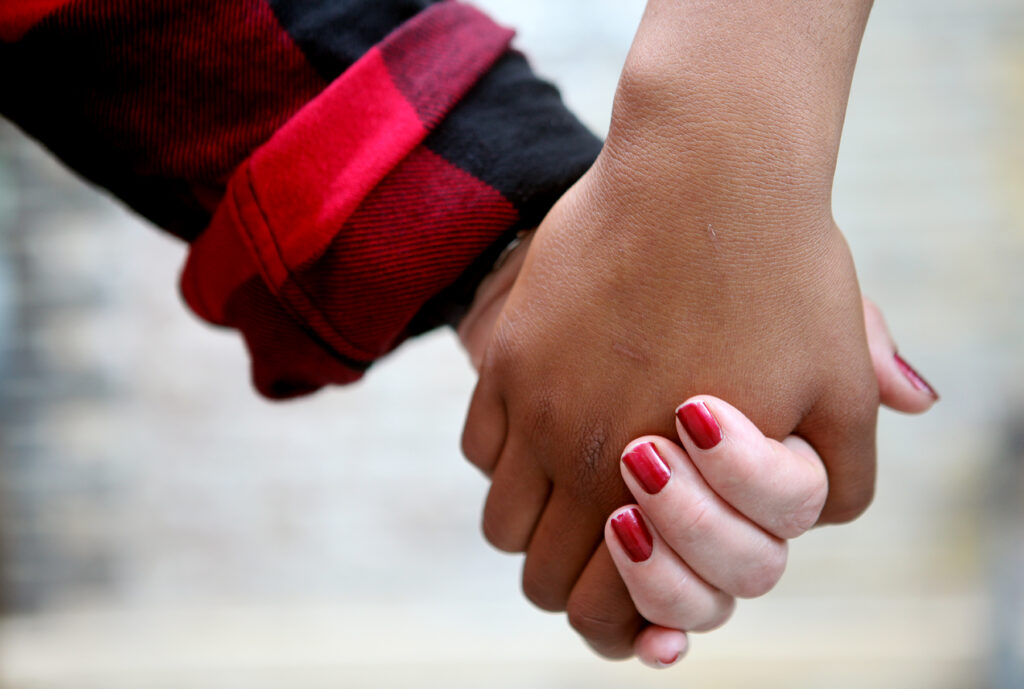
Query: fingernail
x=633, y=534
x=914, y=377
x=647, y=467
x=700, y=424
x=663, y=662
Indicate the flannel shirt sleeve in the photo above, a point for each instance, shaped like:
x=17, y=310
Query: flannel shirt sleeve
x=345, y=171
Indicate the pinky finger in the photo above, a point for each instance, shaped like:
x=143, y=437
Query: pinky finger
x=660, y=647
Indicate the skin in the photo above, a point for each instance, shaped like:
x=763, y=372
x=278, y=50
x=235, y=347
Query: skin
x=738, y=547
x=721, y=524
x=698, y=255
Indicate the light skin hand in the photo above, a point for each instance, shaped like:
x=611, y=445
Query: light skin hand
x=697, y=255
x=719, y=517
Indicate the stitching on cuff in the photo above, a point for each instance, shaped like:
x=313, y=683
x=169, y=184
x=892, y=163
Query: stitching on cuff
x=287, y=304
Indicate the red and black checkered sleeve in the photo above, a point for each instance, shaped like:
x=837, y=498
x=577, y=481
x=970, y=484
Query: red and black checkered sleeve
x=345, y=171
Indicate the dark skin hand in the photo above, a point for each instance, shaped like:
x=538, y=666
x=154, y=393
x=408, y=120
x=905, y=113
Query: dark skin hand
x=774, y=491
x=698, y=255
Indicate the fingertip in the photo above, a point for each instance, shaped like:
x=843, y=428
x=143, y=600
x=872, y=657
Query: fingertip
x=609, y=523
x=697, y=423
x=644, y=466
x=626, y=531
x=779, y=486
x=901, y=387
x=642, y=440
x=703, y=422
x=660, y=647
x=915, y=379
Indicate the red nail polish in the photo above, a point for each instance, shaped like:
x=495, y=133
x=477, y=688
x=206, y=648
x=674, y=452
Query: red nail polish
x=914, y=377
x=669, y=662
x=633, y=534
x=647, y=467
x=700, y=424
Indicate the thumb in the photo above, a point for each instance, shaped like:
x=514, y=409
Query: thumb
x=478, y=324
x=483, y=436
x=899, y=385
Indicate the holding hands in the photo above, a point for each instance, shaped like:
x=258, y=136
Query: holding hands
x=698, y=255
x=711, y=521
x=713, y=512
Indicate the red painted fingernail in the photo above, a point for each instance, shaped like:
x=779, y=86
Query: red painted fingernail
x=670, y=662
x=914, y=377
x=647, y=467
x=633, y=534
x=700, y=424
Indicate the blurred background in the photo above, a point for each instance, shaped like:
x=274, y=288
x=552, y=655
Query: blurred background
x=162, y=526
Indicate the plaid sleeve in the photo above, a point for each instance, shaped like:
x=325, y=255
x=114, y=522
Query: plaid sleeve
x=344, y=170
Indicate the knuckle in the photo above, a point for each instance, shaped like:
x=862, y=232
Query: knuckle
x=721, y=614
x=503, y=352
x=598, y=626
x=849, y=507
x=474, y=450
x=541, y=592
x=499, y=530
x=484, y=430
x=670, y=603
x=596, y=477
x=591, y=449
x=592, y=468
x=497, y=534
x=693, y=522
x=805, y=514
x=744, y=470
x=852, y=472
x=504, y=349
x=761, y=578
x=686, y=603
x=540, y=413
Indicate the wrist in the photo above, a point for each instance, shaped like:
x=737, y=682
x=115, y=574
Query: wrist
x=751, y=89
x=728, y=140
x=724, y=203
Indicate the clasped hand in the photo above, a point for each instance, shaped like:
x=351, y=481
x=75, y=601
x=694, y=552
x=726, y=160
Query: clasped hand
x=713, y=512
x=698, y=256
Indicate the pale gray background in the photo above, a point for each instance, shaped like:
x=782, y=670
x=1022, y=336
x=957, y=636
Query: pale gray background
x=162, y=526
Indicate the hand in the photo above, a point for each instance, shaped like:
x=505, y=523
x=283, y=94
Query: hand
x=602, y=331
x=697, y=255
x=755, y=507
x=716, y=519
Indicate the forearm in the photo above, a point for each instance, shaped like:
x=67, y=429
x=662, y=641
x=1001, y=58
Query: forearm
x=741, y=101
